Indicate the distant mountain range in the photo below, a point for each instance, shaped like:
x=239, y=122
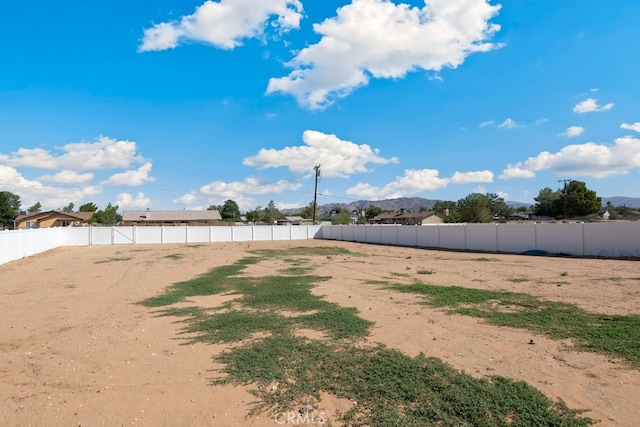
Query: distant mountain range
x=417, y=203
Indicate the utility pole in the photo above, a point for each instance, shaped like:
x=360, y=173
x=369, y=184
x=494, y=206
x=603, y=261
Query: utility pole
x=564, y=196
x=315, y=193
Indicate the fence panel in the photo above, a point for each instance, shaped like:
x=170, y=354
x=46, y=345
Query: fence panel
x=516, y=238
x=481, y=237
x=452, y=236
x=221, y=234
x=428, y=236
x=148, y=234
x=389, y=235
x=198, y=234
x=123, y=235
x=618, y=239
x=77, y=236
x=408, y=236
x=560, y=238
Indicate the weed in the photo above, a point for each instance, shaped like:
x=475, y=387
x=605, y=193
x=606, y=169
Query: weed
x=612, y=335
x=518, y=279
x=392, y=389
x=174, y=256
x=425, y=271
x=113, y=259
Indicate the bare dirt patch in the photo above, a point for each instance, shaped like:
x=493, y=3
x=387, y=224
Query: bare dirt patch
x=76, y=348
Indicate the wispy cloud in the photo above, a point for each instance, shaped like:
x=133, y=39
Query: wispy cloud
x=631, y=126
x=573, y=131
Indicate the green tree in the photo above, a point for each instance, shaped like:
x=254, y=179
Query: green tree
x=343, y=218
x=546, y=203
x=271, y=213
x=230, y=211
x=447, y=208
x=372, y=212
x=68, y=208
x=499, y=209
x=9, y=207
x=35, y=208
x=88, y=207
x=108, y=216
x=473, y=208
x=580, y=201
x=307, y=211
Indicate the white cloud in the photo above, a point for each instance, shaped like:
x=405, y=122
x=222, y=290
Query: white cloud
x=218, y=192
x=634, y=127
x=186, y=199
x=416, y=181
x=590, y=105
x=508, y=124
x=126, y=200
x=105, y=153
x=68, y=177
x=471, y=177
x=230, y=190
x=338, y=158
x=224, y=23
x=589, y=159
x=380, y=39
x=132, y=177
x=31, y=191
x=573, y=131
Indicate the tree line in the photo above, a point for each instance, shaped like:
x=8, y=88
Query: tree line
x=572, y=200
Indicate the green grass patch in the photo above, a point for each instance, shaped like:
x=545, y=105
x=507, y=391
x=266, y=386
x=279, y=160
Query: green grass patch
x=484, y=259
x=390, y=388
x=174, y=256
x=286, y=370
x=612, y=335
x=518, y=279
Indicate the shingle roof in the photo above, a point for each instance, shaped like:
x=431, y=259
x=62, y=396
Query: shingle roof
x=184, y=215
x=82, y=216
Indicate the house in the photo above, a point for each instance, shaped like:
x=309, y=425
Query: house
x=183, y=217
x=408, y=218
x=294, y=220
x=53, y=219
x=604, y=213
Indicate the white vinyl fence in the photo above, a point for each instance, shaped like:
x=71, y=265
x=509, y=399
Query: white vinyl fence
x=17, y=244
x=602, y=239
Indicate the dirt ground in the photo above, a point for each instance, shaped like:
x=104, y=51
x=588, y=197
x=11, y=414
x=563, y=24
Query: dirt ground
x=76, y=349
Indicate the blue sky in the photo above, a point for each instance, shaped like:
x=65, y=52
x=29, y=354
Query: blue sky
x=181, y=105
